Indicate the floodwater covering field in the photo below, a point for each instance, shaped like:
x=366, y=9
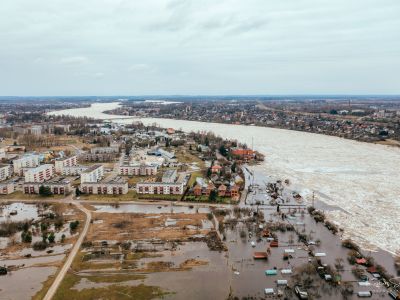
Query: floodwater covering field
x=360, y=178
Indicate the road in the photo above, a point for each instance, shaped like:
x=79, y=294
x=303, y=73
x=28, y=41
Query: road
x=60, y=276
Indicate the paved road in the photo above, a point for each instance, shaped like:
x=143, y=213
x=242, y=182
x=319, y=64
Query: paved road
x=60, y=276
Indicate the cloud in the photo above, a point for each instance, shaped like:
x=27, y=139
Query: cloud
x=200, y=47
x=142, y=68
x=74, y=60
x=99, y=75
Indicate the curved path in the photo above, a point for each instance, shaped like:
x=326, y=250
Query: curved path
x=60, y=276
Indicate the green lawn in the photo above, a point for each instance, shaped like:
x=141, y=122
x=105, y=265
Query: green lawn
x=130, y=196
x=20, y=195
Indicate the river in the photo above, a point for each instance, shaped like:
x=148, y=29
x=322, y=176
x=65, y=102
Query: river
x=362, y=179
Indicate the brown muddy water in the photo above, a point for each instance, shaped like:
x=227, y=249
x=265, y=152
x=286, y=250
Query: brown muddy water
x=235, y=272
x=26, y=274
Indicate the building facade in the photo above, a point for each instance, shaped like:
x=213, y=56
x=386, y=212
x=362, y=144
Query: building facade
x=73, y=170
x=64, y=162
x=161, y=188
x=26, y=161
x=114, y=186
x=39, y=174
x=93, y=174
x=138, y=169
x=7, y=187
x=58, y=186
x=5, y=171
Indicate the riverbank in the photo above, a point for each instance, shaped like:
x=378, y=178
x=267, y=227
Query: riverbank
x=354, y=176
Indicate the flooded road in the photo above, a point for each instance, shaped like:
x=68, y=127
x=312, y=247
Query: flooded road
x=360, y=178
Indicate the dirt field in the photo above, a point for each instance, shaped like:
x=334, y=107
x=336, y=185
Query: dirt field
x=130, y=226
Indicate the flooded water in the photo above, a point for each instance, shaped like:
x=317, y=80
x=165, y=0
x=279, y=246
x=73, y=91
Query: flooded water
x=360, y=178
x=23, y=212
x=149, y=209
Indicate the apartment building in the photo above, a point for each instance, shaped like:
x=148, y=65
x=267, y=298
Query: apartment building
x=61, y=163
x=58, y=186
x=105, y=150
x=40, y=173
x=7, y=187
x=110, y=186
x=73, y=170
x=138, y=169
x=97, y=157
x=161, y=188
x=5, y=171
x=93, y=174
x=26, y=161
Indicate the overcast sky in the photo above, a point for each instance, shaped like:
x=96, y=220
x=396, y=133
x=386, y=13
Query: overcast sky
x=136, y=47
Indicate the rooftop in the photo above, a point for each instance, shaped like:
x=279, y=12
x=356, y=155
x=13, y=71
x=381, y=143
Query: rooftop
x=92, y=168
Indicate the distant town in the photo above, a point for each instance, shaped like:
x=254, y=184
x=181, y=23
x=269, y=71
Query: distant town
x=365, y=119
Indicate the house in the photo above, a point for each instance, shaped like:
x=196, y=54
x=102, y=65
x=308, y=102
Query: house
x=198, y=190
x=222, y=190
x=216, y=169
x=57, y=185
x=234, y=192
x=93, y=174
x=109, y=186
x=40, y=173
x=170, y=131
x=245, y=154
x=210, y=187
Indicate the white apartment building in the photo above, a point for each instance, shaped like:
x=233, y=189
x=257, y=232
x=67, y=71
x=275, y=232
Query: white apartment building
x=7, y=187
x=109, y=186
x=160, y=188
x=61, y=163
x=93, y=174
x=39, y=174
x=26, y=161
x=36, y=130
x=104, y=150
x=74, y=170
x=5, y=172
x=137, y=169
x=3, y=153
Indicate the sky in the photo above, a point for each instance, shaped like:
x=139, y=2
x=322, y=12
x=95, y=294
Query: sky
x=199, y=47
